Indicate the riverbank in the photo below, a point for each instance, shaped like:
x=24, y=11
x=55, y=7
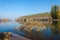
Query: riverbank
x=11, y=36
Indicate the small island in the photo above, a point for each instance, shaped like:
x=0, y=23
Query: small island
x=5, y=20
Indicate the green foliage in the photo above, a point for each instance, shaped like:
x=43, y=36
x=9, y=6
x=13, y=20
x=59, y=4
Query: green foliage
x=54, y=12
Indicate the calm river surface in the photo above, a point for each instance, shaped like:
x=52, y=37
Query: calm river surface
x=9, y=27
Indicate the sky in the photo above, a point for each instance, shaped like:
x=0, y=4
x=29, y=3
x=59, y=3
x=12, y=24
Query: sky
x=16, y=8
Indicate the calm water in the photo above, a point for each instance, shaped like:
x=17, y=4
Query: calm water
x=9, y=27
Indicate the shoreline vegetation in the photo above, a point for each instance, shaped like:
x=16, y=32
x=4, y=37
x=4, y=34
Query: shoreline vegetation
x=34, y=25
x=33, y=29
x=39, y=22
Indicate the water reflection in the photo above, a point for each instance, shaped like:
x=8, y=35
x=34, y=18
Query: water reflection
x=9, y=27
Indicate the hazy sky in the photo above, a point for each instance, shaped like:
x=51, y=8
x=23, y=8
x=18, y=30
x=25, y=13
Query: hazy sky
x=18, y=8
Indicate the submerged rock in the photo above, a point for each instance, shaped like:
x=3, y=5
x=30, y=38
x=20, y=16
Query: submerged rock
x=33, y=29
x=5, y=36
x=11, y=36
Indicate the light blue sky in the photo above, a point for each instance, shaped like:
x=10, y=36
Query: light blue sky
x=18, y=8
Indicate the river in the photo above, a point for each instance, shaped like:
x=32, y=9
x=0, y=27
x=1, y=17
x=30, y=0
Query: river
x=9, y=27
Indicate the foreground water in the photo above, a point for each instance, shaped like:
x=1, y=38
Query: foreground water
x=9, y=27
